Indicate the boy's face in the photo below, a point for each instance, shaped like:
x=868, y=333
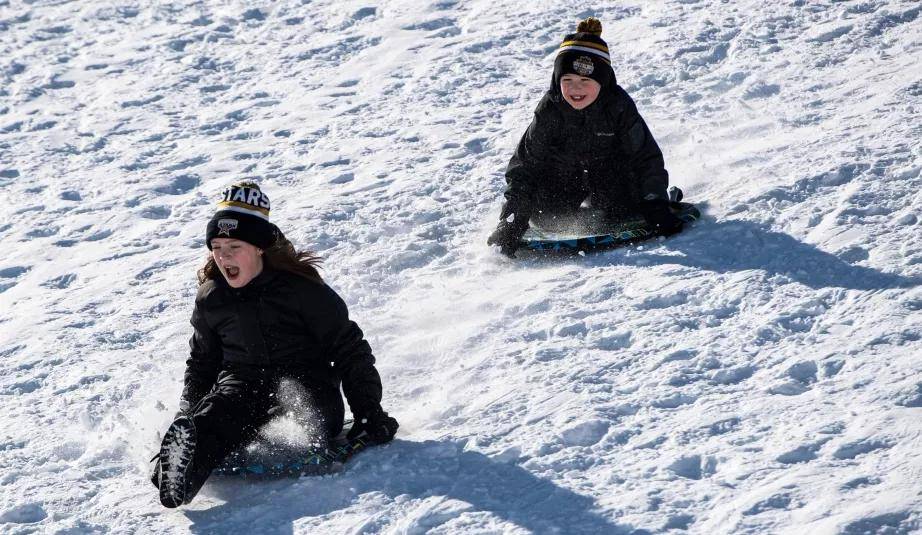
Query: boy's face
x=237, y=260
x=579, y=91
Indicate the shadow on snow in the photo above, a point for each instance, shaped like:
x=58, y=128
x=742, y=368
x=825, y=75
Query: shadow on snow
x=730, y=246
x=418, y=470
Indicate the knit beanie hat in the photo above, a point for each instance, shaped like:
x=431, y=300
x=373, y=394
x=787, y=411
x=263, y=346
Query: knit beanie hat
x=243, y=214
x=584, y=53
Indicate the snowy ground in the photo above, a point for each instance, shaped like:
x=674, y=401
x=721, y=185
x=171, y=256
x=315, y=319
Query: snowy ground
x=758, y=374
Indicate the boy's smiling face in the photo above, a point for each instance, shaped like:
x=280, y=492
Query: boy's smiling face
x=579, y=91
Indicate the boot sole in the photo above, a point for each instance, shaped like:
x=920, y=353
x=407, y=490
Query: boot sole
x=176, y=452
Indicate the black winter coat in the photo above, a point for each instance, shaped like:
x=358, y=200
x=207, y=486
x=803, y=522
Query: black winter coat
x=604, y=152
x=281, y=325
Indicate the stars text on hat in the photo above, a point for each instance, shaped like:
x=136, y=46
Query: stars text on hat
x=225, y=226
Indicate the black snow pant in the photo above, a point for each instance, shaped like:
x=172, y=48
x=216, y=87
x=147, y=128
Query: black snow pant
x=580, y=210
x=230, y=415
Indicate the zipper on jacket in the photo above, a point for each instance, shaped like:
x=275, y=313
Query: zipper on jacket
x=248, y=319
x=259, y=326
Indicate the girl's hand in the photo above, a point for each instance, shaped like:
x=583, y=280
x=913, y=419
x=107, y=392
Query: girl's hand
x=377, y=426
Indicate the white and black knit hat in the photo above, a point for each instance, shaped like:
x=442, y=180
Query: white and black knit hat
x=243, y=214
x=584, y=53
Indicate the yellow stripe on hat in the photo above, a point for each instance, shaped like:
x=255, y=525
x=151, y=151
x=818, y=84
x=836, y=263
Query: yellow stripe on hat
x=589, y=44
x=245, y=207
x=598, y=53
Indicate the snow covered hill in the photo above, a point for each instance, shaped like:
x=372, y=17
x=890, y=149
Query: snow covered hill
x=758, y=374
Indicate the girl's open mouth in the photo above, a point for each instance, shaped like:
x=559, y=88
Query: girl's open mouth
x=232, y=271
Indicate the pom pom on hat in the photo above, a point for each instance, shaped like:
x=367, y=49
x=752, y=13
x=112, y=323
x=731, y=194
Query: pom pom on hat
x=590, y=25
x=243, y=214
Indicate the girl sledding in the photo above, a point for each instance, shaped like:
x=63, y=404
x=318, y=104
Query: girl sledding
x=262, y=315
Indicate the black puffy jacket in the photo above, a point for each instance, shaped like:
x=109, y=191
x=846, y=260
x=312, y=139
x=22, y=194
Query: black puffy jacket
x=605, y=152
x=281, y=325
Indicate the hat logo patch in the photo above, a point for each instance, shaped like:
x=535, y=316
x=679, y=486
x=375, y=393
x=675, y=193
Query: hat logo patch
x=225, y=226
x=583, y=65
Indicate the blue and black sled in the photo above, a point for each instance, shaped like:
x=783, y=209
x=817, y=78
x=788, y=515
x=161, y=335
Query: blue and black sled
x=261, y=460
x=587, y=232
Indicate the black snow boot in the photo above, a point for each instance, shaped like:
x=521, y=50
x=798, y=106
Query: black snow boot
x=178, y=479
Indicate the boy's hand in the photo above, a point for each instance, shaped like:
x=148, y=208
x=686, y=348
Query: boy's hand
x=661, y=218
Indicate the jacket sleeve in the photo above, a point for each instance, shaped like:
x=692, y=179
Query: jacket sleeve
x=205, y=356
x=350, y=354
x=643, y=156
x=532, y=160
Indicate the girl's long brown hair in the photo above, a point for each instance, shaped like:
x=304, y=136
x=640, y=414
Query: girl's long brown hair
x=281, y=256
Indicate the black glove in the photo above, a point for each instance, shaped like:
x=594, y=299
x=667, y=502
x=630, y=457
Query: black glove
x=513, y=224
x=661, y=218
x=376, y=425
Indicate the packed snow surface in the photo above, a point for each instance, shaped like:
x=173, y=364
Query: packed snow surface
x=760, y=373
